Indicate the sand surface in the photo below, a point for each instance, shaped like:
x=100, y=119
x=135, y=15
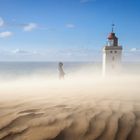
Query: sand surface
x=73, y=109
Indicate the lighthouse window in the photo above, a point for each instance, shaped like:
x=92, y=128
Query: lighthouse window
x=115, y=51
x=111, y=51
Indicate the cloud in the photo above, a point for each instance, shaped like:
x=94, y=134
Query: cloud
x=20, y=51
x=5, y=34
x=71, y=26
x=1, y=22
x=24, y=52
x=29, y=27
x=134, y=50
x=86, y=1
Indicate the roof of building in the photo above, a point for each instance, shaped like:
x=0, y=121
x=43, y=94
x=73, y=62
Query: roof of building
x=112, y=36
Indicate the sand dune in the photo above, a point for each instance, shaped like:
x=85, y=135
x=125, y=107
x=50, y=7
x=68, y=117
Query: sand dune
x=70, y=110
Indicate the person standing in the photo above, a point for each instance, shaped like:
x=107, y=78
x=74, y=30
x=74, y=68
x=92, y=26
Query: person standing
x=61, y=71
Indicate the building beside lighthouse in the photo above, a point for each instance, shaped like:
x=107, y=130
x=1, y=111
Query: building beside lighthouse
x=112, y=55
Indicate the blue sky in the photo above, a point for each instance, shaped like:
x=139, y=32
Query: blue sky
x=67, y=30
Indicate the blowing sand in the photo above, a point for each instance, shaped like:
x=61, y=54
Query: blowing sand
x=74, y=109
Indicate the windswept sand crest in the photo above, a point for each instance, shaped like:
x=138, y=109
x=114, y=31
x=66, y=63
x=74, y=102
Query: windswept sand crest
x=84, y=125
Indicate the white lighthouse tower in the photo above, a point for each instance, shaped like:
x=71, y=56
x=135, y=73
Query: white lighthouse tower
x=112, y=54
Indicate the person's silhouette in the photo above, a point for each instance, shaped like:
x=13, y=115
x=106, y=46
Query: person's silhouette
x=61, y=71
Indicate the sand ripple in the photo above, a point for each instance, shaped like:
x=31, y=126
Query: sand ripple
x=95, y=120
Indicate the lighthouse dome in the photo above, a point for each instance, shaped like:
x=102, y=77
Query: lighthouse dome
x=112, y=36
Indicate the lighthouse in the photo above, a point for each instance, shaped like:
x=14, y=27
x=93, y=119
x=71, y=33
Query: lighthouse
x=112, y=55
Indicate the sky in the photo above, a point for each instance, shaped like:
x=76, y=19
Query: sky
x=67, y=30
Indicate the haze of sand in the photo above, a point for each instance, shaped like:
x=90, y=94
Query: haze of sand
x=78, y=108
